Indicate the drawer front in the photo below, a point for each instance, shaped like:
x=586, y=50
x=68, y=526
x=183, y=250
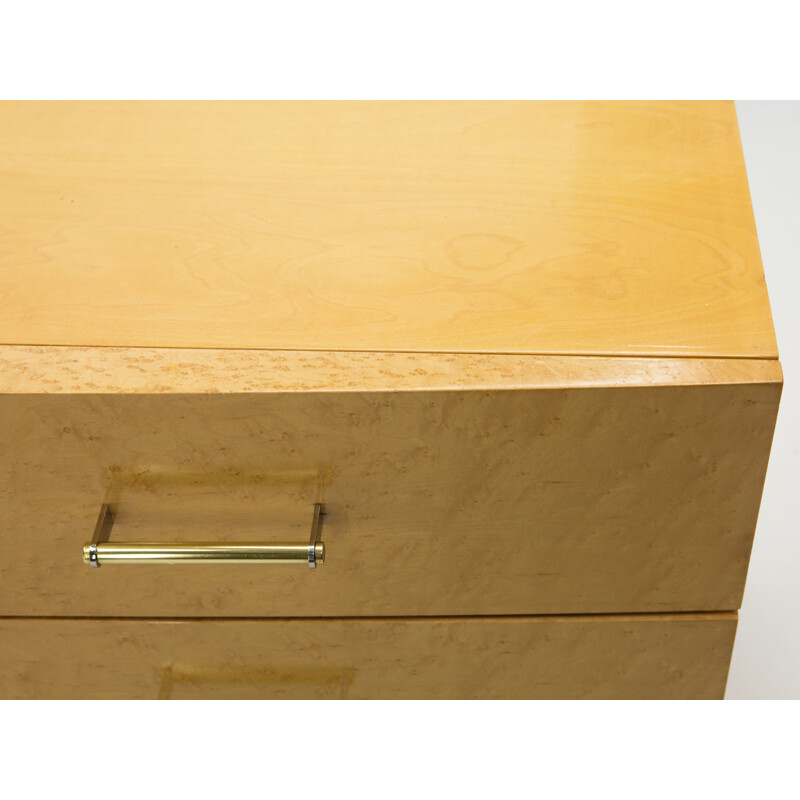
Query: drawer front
x=683, y=656
x=438, y=502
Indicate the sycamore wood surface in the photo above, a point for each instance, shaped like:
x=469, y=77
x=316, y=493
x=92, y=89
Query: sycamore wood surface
x=516, y=227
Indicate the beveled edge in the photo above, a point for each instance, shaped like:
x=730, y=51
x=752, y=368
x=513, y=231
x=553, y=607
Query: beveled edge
x=31, y=369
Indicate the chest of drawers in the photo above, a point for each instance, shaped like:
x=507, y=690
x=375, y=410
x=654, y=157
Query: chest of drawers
x=504, y=374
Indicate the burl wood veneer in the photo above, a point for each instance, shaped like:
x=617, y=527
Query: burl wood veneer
x=521, y=352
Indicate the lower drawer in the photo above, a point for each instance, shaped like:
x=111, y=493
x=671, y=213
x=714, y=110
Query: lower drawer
x=637, y=656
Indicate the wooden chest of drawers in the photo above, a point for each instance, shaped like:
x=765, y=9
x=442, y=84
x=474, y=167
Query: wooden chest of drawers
x=519, y=355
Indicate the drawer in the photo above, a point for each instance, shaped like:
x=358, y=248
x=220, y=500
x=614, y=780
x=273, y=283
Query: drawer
x=654, y=656
x=518, y=489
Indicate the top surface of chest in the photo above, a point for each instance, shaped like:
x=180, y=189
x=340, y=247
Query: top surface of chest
x=566, y=228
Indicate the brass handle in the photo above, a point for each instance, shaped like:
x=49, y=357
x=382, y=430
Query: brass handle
x=100, y=550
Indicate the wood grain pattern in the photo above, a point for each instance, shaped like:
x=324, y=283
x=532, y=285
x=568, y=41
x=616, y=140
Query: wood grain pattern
x=580, y=228
x=553, y=657
x=486, y=501
x=141, y=370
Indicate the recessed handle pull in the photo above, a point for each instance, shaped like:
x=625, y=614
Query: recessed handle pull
x=100, y=551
